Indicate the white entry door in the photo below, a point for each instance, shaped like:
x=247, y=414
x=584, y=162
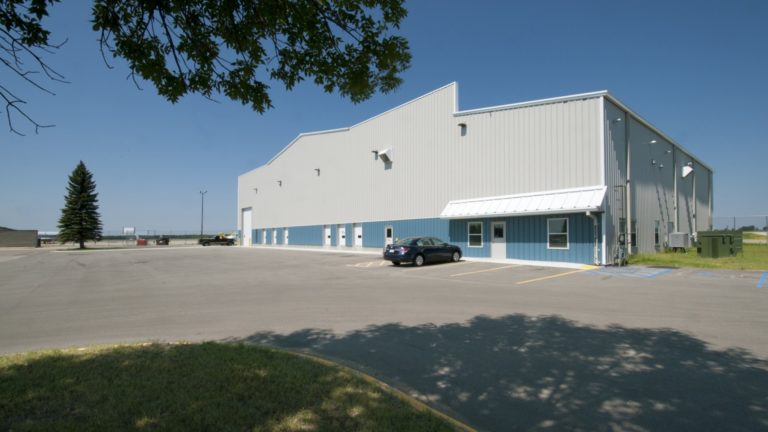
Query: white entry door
x=499, y=240
x=358, y=235
x=246, y=233
x=389, y=235
x=274, y=236
x=342, y=236
x=285, y=235
x=326, y=235
x=264, y=236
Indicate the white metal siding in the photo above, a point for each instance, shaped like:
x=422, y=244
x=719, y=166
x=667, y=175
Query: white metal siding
x=529, y=149
x=615, y=176
x=652, y=184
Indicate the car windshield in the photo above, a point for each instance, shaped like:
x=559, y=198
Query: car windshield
x=408, y=241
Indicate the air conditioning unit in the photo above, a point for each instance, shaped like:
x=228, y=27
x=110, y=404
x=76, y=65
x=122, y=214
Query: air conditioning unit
x=679, y=240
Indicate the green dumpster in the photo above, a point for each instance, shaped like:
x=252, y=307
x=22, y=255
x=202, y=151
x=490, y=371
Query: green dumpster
x=706, y=246
x=716, y=244
x=717, y=248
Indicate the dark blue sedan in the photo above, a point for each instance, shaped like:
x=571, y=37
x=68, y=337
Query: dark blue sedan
x=420, y=250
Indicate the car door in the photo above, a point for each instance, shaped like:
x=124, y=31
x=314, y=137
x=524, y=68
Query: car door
x=428, y=249
x=442, y=249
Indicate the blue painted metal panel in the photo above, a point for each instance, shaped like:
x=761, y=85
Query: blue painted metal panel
x=270, y=235
x=373, y=232
x=526, y=236
x=350, y=240
x=279, y=239
x=254, y=236
x=527, y=239
x=459, y=235
x=310, y=235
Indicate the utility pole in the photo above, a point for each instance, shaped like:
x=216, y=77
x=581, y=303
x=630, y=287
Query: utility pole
x=202, y=208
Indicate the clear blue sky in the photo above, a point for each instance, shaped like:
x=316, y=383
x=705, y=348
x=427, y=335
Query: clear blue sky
x=696, y=69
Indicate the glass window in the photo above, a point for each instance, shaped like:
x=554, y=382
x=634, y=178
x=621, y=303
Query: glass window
x=557, y=233
x=475, y=234
x=498, y=231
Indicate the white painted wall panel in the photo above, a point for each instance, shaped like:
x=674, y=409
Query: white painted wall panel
x=654, y=166
x=536, y=148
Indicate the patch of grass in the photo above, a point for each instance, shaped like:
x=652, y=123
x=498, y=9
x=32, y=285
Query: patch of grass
x=755, y=257
x=210, y=386
x=754, y=236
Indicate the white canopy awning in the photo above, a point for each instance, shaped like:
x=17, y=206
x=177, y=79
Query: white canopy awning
x=539, y=203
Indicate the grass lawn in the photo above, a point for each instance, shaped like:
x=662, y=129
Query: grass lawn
x=187, y=387
x=754, y=236
x=755, y=257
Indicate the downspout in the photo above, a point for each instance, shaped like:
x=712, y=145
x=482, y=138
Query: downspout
x=674, y=182
x=709, y=187
x=695, y=204
x=595, y=238
x=628, y=241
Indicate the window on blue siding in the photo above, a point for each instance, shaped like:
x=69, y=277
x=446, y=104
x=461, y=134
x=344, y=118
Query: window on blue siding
x=475, y=230
x=557, y=233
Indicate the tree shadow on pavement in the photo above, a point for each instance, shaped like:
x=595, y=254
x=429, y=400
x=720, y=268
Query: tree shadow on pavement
x=518, y=372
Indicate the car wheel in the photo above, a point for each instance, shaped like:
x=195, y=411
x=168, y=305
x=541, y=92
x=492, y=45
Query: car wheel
x=206, y=244
x=419, y=260
x=456, y=256
x=231, y=244
x=395, y=263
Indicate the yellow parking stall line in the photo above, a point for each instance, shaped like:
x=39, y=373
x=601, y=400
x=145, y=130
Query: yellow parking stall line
x=583, y=269
x=486, y=270
x=383, y=262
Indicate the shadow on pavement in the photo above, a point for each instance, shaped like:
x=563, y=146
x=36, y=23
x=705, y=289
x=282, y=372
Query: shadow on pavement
x=533, y=373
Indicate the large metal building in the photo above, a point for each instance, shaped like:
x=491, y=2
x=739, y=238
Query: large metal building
x=550, y=180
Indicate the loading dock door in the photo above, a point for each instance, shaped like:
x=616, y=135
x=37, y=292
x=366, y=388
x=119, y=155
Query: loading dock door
x=246, y=233
x=358, y=235
x=326, y=235
x=499, y=240
x=342, y=236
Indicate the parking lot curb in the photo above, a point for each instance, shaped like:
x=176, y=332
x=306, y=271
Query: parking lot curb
x=410, y=400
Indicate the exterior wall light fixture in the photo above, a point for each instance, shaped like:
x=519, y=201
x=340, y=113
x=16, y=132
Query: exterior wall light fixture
x=386, y=155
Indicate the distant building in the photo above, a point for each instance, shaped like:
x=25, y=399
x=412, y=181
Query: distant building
x=17, y=238
x=548, y=180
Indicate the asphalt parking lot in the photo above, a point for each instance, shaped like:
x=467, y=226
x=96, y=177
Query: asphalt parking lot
x=500, y=346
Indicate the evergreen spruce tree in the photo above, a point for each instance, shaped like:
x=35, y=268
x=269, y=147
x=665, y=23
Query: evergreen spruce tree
x=80, y=220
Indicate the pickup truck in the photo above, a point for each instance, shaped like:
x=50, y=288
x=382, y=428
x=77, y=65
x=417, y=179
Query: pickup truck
x=217, y=240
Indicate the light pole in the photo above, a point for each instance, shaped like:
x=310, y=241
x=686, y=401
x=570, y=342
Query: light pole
x=202, y=207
